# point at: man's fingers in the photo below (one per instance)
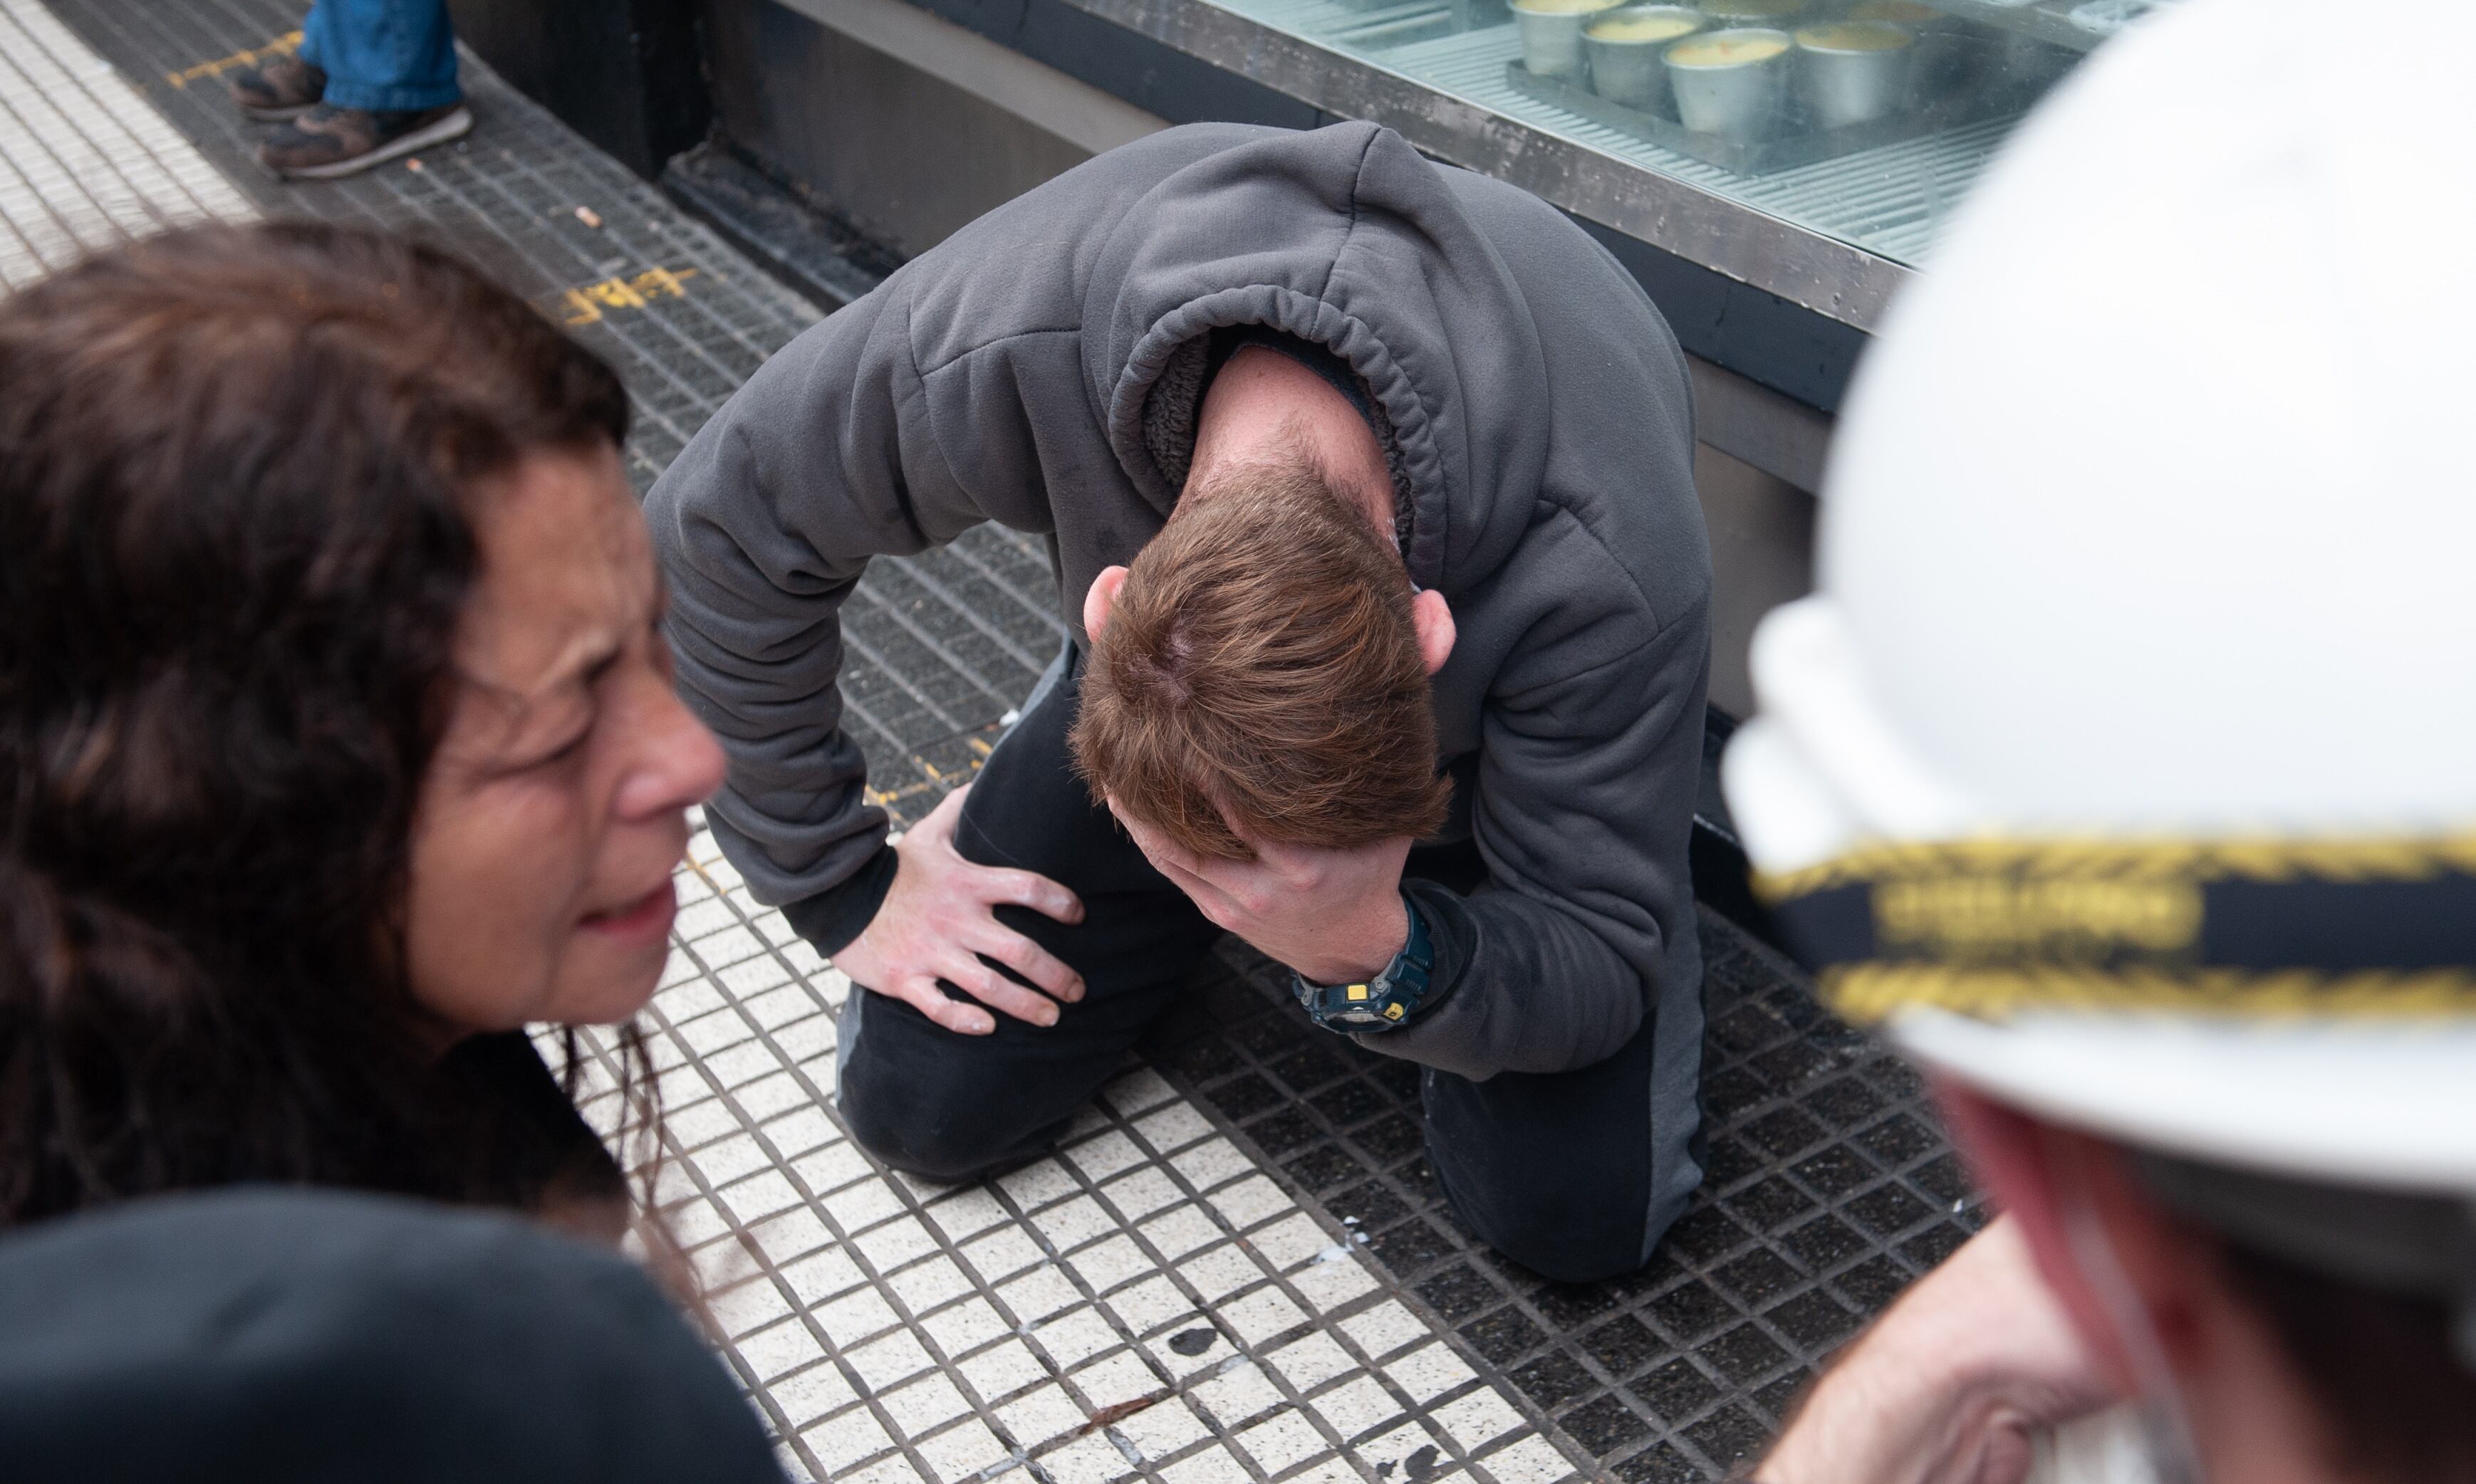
(922, 994)
(1199, 878)
(1210, 884)
(1186, 860)
(999, 993)
(1034, 963)
(1208, 899)
(1250, 886)
(1158, 848)
(1299, 865)
(1031, 889)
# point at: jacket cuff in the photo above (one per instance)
(831, 918)
(1452, 931)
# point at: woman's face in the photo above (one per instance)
(554, 809)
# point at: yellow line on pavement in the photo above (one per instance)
(586, 305)
(283, 45)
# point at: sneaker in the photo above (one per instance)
(328, 141)
(278, 88)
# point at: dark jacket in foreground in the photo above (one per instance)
(1036, 370)
(266, 1336)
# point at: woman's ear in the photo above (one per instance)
(1100, 599)
(1431, 616)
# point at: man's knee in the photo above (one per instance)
(922, 1125)
(943, 1106)
(1573, 1212)
(929, 1153)
(1590, 1246)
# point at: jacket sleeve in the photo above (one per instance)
(1582, 812)
(954, 393)
(763, 525)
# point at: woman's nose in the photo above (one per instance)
(678, 762)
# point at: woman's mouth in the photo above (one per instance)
(646, 919)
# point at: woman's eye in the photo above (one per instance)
(563, 752)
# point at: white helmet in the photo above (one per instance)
(2125, 761)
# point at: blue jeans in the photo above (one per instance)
(386, 55)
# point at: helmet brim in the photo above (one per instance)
(2384, 1105)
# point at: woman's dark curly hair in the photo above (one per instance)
(237, 475)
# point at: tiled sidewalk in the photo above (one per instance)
(1240, 1268)
(83, 161)
(1146, 1301)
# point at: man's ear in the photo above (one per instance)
(2047, 1177)
(1100, 599)
(1430, 615)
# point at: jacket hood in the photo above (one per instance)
(1356, 243)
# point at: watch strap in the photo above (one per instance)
(1384, 1001)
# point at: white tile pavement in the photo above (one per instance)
(1146, 1304)
(85, 160)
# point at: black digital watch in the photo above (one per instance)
(1382, 1002)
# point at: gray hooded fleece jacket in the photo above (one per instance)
(1037, 369)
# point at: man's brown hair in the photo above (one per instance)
(1259, 677)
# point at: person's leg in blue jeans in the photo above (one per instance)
(389, 87)
(383, 55)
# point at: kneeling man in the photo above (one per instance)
(1369, 487)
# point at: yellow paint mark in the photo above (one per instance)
(903, 800)
(283, 45)
(586, 305)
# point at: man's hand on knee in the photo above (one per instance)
(1333, 915)
(937, 918)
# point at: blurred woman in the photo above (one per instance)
(337, 741)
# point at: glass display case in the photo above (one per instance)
(1860, 122)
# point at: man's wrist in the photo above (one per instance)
(1379, 945)
(833, 917)
(1382, 1000)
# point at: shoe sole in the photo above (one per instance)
(455, 126)
(281, 113)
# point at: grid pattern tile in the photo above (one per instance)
(1145, 1303)
(1830, 1187)
(84, 161)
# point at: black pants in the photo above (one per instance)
(1552, 1169)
